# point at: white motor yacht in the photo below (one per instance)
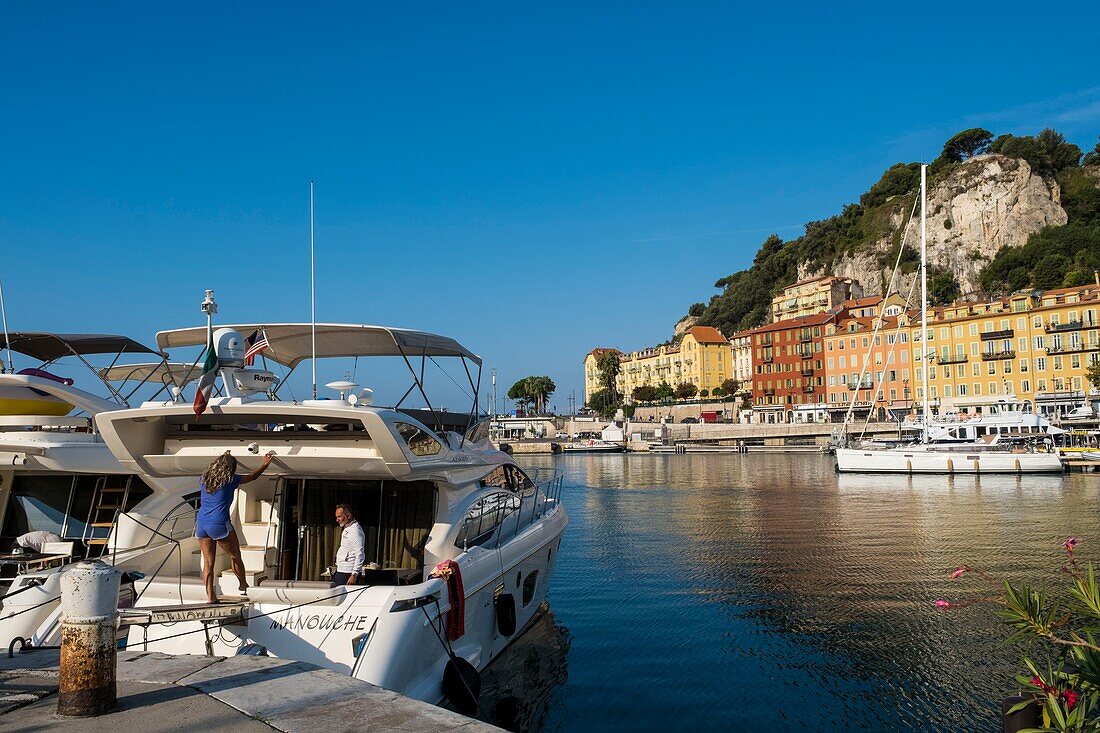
(1006, 417)
(56, 474)
(426, 494)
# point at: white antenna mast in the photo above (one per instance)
(4, 315)
(312, 296)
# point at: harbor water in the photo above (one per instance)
(765, 592)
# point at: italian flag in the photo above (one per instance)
(206, 381)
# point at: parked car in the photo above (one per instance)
(561, 436)
(689, 420)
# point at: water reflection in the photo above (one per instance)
(765, 592)
(522, 688)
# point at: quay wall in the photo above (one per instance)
(778, 435)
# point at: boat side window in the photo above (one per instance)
(480, 525)
(497, 479)
(520, 483)
(420, 442)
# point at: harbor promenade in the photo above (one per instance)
(250, 694)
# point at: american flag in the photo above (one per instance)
(255, 343)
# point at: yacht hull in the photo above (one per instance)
(363, 634)
(919, 459)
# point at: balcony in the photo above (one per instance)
(807, 371)
(808, 388)
(1071, 326)
(994, 335)
(767, 358)
(768, 392)
(766, 341)
(953, 359)
(806, 338)
(1073, 348)
(994, 355)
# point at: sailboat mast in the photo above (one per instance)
(924, 300)
(7, 341)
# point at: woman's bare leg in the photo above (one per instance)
(209, 555)
(233, 547)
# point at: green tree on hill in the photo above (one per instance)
(1048, 152)
(942, 288)
(966, 144)
(1093, 157)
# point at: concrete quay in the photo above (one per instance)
(750, 436)
(252, 694)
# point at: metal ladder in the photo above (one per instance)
(108, 502)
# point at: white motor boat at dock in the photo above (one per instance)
(424, 497)
(58, 477)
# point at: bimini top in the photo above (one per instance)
(290, 343)
(161, 371)
(50, 346)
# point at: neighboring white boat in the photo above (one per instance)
(57, 475)
(424, 497)
(595, 445)
(995, 443)
(978, 458)
(1005, 418)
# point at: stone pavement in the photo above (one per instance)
(160, 692)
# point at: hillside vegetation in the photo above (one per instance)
(1056, 256)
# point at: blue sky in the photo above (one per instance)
(532, 179)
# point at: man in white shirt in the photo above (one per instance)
(352, 553)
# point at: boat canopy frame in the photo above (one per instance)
(51, 347)
(289, 344)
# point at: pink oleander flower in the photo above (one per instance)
(1070, 544)
(1069, 697)
(959, 571)
(942, 604)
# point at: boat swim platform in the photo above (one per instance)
(228, 610)
(163, 693)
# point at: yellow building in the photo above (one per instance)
(702, 358)
(592, 370)
(1031, 347)
(813, 296)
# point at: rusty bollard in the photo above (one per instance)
(89, 617)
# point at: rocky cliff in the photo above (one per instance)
(988, 202)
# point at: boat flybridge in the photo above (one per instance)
(56, 474)
(427, 494)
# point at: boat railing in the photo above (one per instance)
(539, 500)
(178, 523)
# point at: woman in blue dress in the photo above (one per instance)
(213, 528)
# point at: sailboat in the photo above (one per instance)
(994, 453)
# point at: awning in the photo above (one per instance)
(50, 346)
(291, 343)
(162, 372)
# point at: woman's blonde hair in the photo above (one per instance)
(220, 472)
